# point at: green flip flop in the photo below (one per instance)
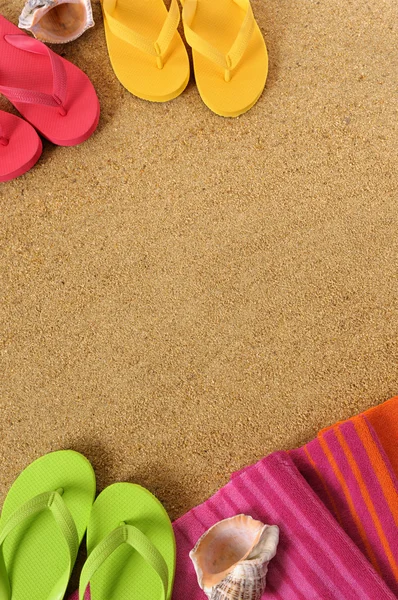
(131, 547)
(42, 523)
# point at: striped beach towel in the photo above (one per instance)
(335, 501)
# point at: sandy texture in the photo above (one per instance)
(183, 293)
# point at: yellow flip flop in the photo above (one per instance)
(145, 48)
(229, 53)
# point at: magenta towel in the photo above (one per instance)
(335, 501)
(330, 546)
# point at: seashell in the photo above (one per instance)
(231, 558)
(56, 21)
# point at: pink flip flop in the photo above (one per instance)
(20, 146)
(56, 97)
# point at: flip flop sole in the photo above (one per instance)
(218, 23)
(23, 150)
(125, 575)
(35, 553)
(32, 71)
(136, 70)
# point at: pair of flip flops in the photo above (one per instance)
(150, 60)
(130, 540)
(53, 96)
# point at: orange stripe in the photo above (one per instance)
(344, 486)
(368, 500)
(379, 466)
(325, 487)
(384, 420)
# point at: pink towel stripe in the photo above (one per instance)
(322, 539)
(336, 492)
(282, 585)
(306, 465)
(385, 519)
(372, 526)
(252, 484)
(356, 495)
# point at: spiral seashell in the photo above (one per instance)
(56, 21)
(231, 558)
(246, 582)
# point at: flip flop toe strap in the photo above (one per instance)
(228, 61)
(157, 48)
(125, 534)
(3, 139)
(47, 501)
(58, 97)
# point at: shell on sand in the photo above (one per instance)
(56, 21)
(231, 558)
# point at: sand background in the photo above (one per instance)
(183, 294)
